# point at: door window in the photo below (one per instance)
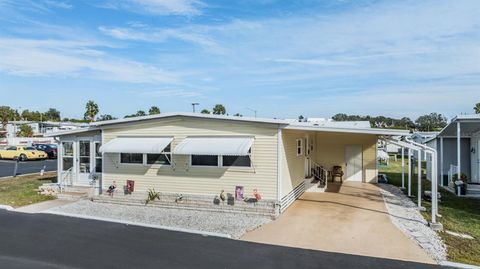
(67, 155)
(84, 156)
(98, 158)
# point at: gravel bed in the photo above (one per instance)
(233, 224)
(405, 215)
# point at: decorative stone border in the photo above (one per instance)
(405, 215)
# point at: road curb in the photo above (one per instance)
(175, 229)
(6, 207)
(29, 174)
(459, 265)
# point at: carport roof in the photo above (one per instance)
(469, 124)
(373, 131)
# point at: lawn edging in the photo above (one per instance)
(6, 207)
(459, 265)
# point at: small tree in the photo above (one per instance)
(106, 117)
(154, 110)
(205, 111)
(431, 122)
(91, 110)
(219, 109)
(301, 118)
(25, 131)
(238, 115)
(477, 108)
(52, 114)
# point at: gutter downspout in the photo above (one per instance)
(279, 164)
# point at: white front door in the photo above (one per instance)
(84, 162)
(354, 162)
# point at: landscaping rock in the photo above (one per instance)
(234, 224)
(405, 215)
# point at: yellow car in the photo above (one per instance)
(22, 153)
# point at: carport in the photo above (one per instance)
(348, 218)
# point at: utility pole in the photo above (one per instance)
(254, 111)
(193, 106)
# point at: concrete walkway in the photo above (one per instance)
(349, 218)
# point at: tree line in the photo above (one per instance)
(428, 122)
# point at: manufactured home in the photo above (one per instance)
(458, 147)
(198, 154)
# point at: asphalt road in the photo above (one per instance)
(49, 241)
(27, 167)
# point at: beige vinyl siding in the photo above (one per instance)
(330, 151)
(293, 166)
(180, 177)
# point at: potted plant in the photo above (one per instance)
(460, 183)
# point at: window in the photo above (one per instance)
(67, 156)
(29, 148)
(131, 158)
(299, 147)
(98, 158)
(241, 161)
(204, 160)
(163, 158)
(12, 148)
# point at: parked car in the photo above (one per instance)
(50, 149)
(23, 153)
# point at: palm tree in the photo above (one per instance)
(477, 108)
(91, 110)
(219, 109)
(154, 110)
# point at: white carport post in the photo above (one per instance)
(403, 168)
(459, 165)
(409, 172)
(441, 160)
(416, 146)
(419, 180)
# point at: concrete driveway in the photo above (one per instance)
(348, 218)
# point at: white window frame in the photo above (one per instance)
(120, 159)
(63, 155)
(144, 159)
(238, 167)
(95, 157)
(299, 147)
(211, 166)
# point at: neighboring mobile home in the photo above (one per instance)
(198, 154)
(458, 147)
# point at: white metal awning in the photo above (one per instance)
(136, 145)
(232, 146)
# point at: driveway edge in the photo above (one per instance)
(405, 216)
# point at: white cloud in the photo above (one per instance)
(58, 4)
(158, 7)
(28, 57)
(172, 93)
(158, 35)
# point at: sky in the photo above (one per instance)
(280, 58)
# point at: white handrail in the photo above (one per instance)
(320, 173)
(62, 183)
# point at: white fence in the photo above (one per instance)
(453, 170)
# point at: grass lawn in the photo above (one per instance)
(461, 215)
(22, 190)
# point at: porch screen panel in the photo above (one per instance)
(67, 155)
